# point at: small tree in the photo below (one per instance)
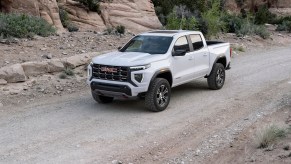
(212, 19)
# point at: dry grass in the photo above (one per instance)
(269, 135)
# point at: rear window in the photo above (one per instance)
(196, 42)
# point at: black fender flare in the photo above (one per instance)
(164, 70)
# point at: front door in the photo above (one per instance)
(182, 65)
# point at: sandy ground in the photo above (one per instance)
(244, 149)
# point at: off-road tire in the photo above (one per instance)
(101, 99)
(216, 78)
(157, 99)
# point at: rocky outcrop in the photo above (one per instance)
(135, 15)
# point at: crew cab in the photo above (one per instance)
(152, 63)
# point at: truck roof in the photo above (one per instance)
(170, 33)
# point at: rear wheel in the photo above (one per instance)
(101, 99)
(158, 96)
(216, 78)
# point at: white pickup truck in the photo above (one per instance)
(152, 63)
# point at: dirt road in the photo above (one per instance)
(197, 124)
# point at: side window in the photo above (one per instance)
(182, 44)
(196, 42)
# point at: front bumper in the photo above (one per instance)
(111, 89)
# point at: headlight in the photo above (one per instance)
(138, 68)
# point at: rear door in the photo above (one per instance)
(200, 54)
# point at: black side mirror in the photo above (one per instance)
(179, 53)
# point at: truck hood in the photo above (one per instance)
(127, 58)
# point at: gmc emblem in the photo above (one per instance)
(109, 70)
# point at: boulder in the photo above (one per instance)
(38, 68)
(13, 73)
(35, 68)
(55, 66)
(77, 60)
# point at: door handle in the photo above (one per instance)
(205, 54)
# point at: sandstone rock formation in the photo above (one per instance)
(135, 15)
(81, 17)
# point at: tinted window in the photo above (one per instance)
(196, 42)
(182, 44)
(148, 44)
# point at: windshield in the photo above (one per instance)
(148, 44)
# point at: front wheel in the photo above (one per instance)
(217, 77)
(158, 96)
(101, 99)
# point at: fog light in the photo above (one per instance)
(138, 77)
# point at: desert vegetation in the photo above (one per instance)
(270, 134)
(23, 26)
(211, 18)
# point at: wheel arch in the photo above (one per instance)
(222, 60)
(163, 73)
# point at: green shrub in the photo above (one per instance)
(64, 17)
(109, 31)
(114, 31)
(233, 22)
(212, 18)
(261, 31)
(66, 21)
(280, 20)
(176, 23)
(120, 29)
(246, 28)
(249, 28)
(285, 26)
(72, 27)
(264, 15)
(68, 71)
(164, 8)
(92, 5)
(24, 26)
(173, 22)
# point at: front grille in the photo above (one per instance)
(121, 74)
